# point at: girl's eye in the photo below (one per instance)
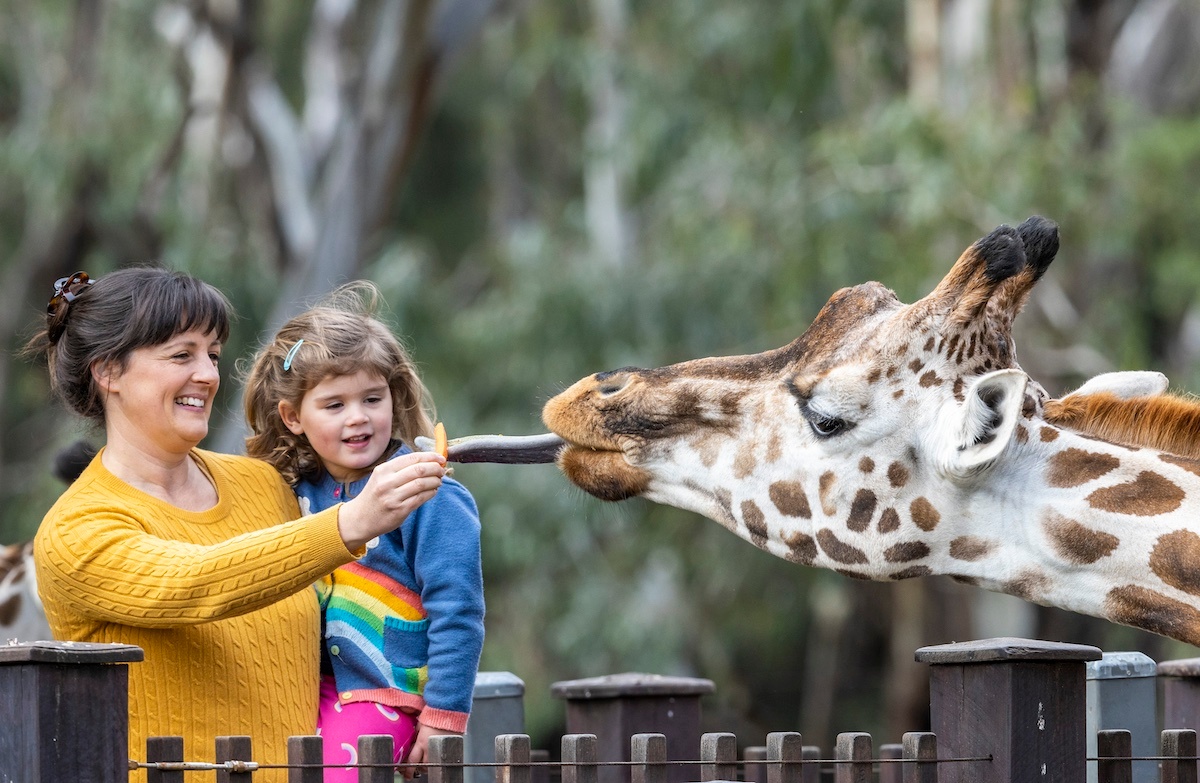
(827, 426)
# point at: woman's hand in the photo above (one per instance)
(395, 489)
(420, 750)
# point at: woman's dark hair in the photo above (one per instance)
(125, 310)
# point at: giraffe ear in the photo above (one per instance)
(1126, 384)
(985, 423)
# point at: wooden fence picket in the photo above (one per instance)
(305, 755)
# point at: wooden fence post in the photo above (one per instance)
(447, 753)
(810, 770)
(579, 758)
(237, 748)
(648, 752)
(718, 756)
(1113, 750)
(377, 752)
(66, 708)
(921, 748)
(890, 773)
(785, 752)
(1180, 681)
(305, 755)
(164, 749)
(1179, 744)
(512, 754)
(1019, 701)
(753, 769)
(617, 706)
(853, 747)
(1122, 693)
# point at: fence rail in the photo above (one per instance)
(1001, 711)
(784, 759)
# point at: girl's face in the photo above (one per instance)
(348, 421)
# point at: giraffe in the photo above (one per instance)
(892, 441)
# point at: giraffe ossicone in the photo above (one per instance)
(896, 440)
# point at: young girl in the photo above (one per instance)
(330, 398)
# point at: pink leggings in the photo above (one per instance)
(341, 725)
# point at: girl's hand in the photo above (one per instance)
(395, 489)
(420, 750)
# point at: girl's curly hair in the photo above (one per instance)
(341, 336)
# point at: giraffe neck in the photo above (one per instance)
(1090, 527)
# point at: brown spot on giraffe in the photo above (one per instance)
(874, 375)
(838, 550)
(889, 521)
(866, 464)
(790, 499)
(930, 379)
(1030, 586)
(1074, 467)
(1022, 434)
(744, 463)
(755, 522)
(958, 390)
(897, 475)
(774, 448)
(707, 448)
(1048, 434)
(915, 366)
(906, 551)
(1147, 495)
(1174, 559)
(911, 572)
(861, 511)
(1190, 465)
(802, 548)
(1077, 543)
(891, 371)
(897, 394)
(924, 515)
(824, 488)
(929, 344)
(1153, 611)
(971, 548)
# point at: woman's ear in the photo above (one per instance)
(105, 375)
(291, 417)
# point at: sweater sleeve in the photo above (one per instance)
(449, 572)
(107, 558)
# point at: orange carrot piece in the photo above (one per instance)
(439, 440)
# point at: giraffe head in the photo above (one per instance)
(829, 450)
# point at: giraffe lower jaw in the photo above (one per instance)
(604, 473)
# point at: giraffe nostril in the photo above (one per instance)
(610, 382)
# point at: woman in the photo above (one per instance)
(198, 558)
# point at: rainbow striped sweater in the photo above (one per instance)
(403, 625)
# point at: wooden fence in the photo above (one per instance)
(1002, 711)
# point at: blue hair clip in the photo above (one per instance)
(287, 360)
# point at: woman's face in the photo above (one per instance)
(163, 398)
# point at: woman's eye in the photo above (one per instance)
(827, 426)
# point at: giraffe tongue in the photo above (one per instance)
(506, 449)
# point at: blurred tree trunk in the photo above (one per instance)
(604, 145)
(332, 175)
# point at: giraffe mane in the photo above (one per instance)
(1166, 422)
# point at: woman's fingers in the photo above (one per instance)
(395, 489)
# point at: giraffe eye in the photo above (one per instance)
(827, 426)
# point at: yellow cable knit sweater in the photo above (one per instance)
(220, 601)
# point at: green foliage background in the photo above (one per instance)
(771, 155)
